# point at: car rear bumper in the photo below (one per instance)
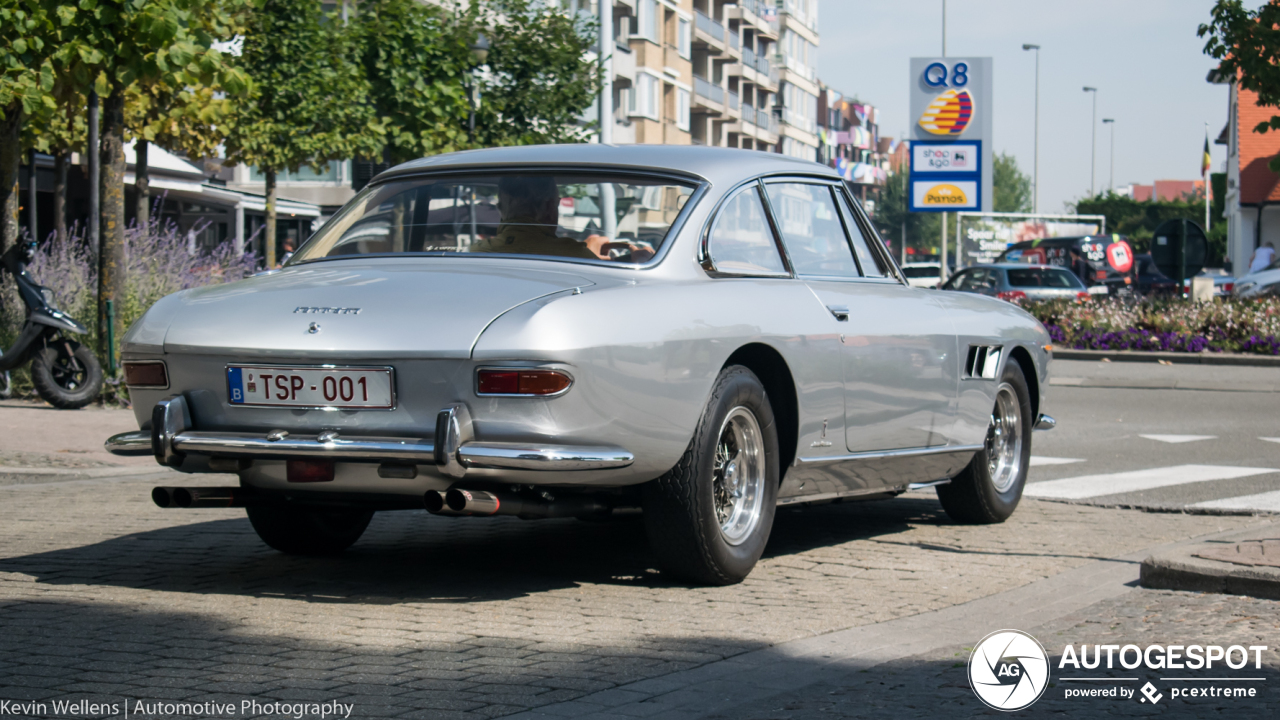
(453, 449)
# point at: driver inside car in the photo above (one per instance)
(530, 217)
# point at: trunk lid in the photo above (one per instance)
(384, 307)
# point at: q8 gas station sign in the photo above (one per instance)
(951, 134)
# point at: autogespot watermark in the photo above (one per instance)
(1010, 670)
(127, 708)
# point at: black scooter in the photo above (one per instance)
(65, 373)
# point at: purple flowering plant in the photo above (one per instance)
(1169, 325)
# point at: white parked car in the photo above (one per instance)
(922, 274)
(1259, 284)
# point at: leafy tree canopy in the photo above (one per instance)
(27, 35)
(1247, 45)
(1012, 186)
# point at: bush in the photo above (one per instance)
(1224, 325)
(159, 260)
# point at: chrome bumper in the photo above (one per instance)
(1044, 422)
(453, 449)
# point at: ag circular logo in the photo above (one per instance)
(1009, 670)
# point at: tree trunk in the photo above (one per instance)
(10, 150)
(271, 219)
(142, 183)
(111, 259)
(60, 166)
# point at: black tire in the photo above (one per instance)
(973, 497)
(304, 531)
(66, 381)
(680, 508)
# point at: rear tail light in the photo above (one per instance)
(538, 383)
(1011, 295)
(1101, 275)
(150, 374)
(1082, 296)
(1228, 287)
(309, 471)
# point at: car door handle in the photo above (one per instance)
(840, 312)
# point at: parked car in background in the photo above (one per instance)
(1223, 282)
(1015, 281)
(923, 274)
(1106, 261)
(1150, 282)
(1264, 283)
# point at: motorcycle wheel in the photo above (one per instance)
(66, 381)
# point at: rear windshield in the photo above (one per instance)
(1043, 277)
(920, 272)
(582, 216)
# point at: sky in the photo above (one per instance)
(1142, 55)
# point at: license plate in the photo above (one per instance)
(311, 387)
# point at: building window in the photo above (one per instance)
(645, 23)
(682, 109)
(684, 38)
(642, 100)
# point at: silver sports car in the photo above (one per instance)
(569, 331)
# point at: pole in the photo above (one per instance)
(31, 194)
(944, 29)
(1035, 173)
(1093, 144)
(942, 270)
(1111, 178)
(471, 115)
(1207, 189)
(95, 171)
(608, 196)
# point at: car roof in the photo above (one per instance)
(708, 163)
(1019, 266)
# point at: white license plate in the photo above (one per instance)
(312, 387)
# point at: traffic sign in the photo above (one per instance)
(1179, 249)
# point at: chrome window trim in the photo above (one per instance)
(475, 380)
(704, 252)
(328, 408)
(700, 188)
(830, 183)
(869, 231)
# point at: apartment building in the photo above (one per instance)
(651, 56)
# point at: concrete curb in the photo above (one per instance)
(1204, 358)
(1179, 569)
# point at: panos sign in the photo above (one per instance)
(950, 140)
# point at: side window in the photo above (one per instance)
(964, 281)
(872, 264)
(741, 241)
(811, 229)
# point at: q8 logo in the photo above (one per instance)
(1009, 670)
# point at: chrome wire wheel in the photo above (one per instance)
(738, 476)
(1004, 439)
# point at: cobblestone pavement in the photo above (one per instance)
(103, 596)
(935, 684)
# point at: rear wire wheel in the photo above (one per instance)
(708, 519)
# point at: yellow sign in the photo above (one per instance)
(945, 195)
(949, 113)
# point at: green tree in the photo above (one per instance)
(415, 57)
(923, 230)
(1246, 44)
(110, 45)
(539, 81)
(59, 133)
(27, 37)
(311, 103)
(1012, 186)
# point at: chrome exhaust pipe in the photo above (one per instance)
(201, 497)
(435, 504)
(465, 501)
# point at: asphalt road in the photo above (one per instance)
(1189, 442)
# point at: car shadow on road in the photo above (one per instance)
(411, 556)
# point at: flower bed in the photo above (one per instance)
(1224, 325)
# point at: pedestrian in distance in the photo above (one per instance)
(1262, 257)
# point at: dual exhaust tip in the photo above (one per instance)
(201, 497)
(466, 501)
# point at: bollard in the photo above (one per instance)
(111, 339)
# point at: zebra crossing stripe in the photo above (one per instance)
(1088, 486)
(1178, 438)
(1267, 501)
(1039, 460)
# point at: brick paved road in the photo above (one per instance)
(103, 595)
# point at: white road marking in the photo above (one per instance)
(1179, 438)
(1088, 486)
(1037, 460)
(1262, 501)
(1274, 440)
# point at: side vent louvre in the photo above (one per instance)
(983, 362)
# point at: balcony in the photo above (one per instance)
(748, 57)
(733, 100)
(709, 26)
(734, 41)
(704, 87)
(749, 114)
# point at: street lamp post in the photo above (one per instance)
(1093, 138)
(479, 54)
(1111, 174)
(1035, 173)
